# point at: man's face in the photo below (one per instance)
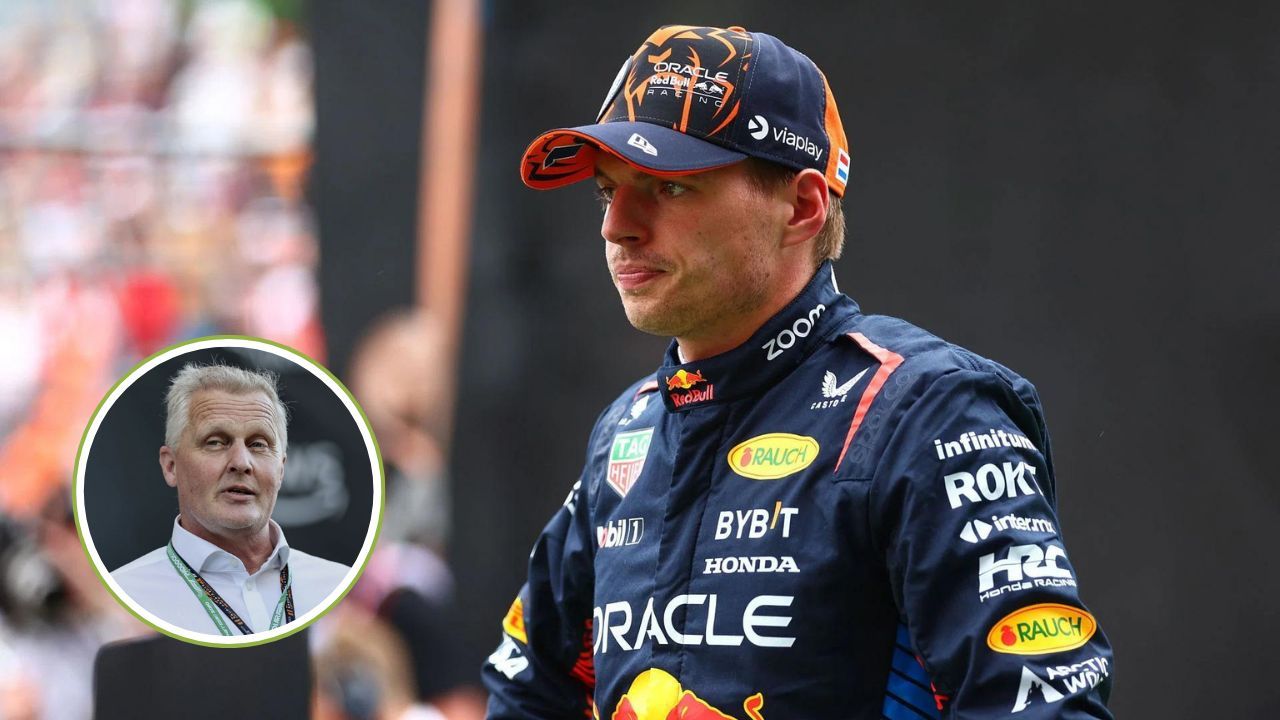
(694, 256)
(228, 464)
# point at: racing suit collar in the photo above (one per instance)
(773, 351)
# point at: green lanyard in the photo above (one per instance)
(213, 602)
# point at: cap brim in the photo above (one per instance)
(567, 155)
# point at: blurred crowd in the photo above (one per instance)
(153, 161)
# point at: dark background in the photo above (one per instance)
(1082, 191)
(324, 505)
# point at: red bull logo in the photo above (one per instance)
(656, 695)
(684, 380)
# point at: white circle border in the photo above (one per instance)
(336, 387)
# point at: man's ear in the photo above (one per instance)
(809, 200)
(169, 466)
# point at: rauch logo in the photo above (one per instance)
(1042, 629)
(773, 456)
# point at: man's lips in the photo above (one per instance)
(630, 277)
(238, 492)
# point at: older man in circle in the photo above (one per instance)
(227, 568)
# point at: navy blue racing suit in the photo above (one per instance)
(844, 517)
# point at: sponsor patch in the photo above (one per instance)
(1059, 682)
(685, 380)
(1042, 629)
(1023, 567)
(773, 456)
(655, 693)
(755, 523)
(623, 531)
(513, 623)
(626, 459)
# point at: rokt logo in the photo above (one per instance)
(773, 456)
(1042, 629)
(758, 127)
(992, 481)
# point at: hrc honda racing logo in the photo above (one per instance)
(761, 623)
(1023, 567)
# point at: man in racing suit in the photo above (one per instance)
(806, 512)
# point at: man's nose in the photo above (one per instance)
(624, 219)
(241, 459)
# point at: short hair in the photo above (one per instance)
(195, 377)
(829, 242)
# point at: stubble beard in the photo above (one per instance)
(706, 314)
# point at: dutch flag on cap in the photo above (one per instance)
(842, 166)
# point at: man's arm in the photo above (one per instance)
(542, 669)
(965, 505)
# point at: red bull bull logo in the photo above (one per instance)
(656, 695)
(684, 380)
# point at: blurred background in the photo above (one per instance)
(1083, 191)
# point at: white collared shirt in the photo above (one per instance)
(152, 582)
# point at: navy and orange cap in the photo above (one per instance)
(696, 98)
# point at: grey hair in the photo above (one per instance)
(195, 377)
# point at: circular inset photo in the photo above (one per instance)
(228, 491)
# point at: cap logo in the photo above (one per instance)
(758, 127)
(561, 154)
(638, 140)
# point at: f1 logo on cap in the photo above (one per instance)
(758, 127)
(638, 140)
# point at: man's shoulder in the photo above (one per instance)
(631, 402)
(143, 575)
(915, 353)
(142, 564)
(317, 566)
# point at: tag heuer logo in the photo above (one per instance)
(626, 459)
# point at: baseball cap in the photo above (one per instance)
(692, 99)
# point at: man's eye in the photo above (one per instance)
(673, 189)
(214, 442)
(604, 196)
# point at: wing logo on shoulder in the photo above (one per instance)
(835, 392)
